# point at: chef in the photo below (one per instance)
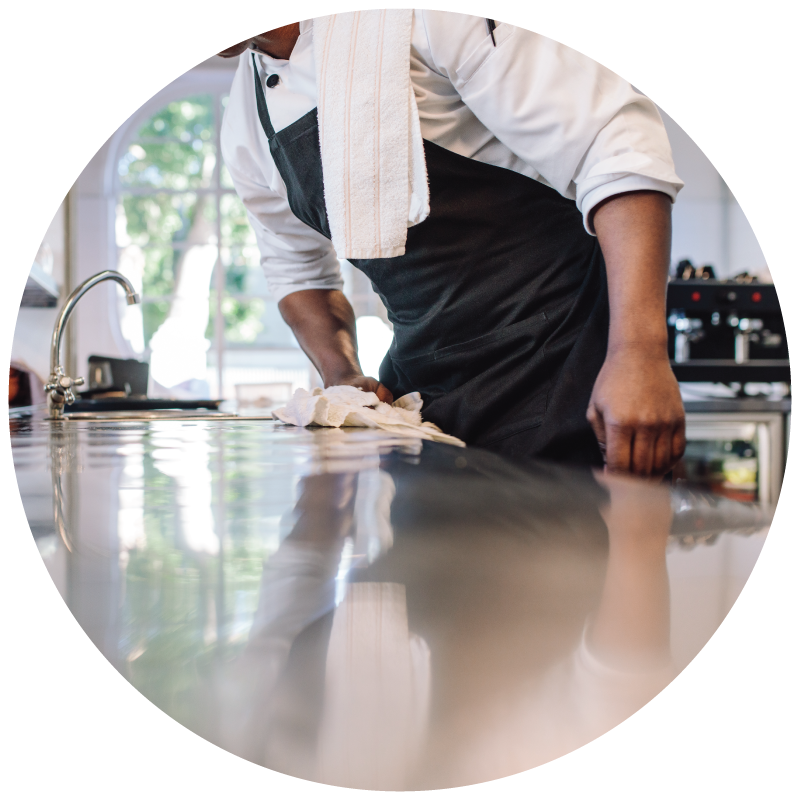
(528, 296)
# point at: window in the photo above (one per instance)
(206, 322)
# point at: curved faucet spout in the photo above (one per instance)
(59, 386)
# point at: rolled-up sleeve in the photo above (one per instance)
(582, 128)
(294, 257)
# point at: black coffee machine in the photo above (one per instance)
(726, 331)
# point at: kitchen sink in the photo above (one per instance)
(64, 402)
(83, 403)
(138, 412)
(152, 414)
(140, 408)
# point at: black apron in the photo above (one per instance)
(499, 305)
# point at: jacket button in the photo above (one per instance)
(273, 81)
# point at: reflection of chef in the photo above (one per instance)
(551, 182)
(484, 642)
(536, 646)
(338, 697)
(621, 662)
(280, 676)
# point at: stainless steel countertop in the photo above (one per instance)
(738, 405)
(374, 612)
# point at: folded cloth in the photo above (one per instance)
(347, 406)
(373, 161)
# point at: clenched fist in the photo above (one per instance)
(637, 414)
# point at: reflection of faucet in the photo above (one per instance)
(58, 461)
(59, 386)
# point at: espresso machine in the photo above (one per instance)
(730, 332)
(725, 331)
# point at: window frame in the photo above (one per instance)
(216, 83)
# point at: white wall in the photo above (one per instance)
(709, 226)
(31, 345)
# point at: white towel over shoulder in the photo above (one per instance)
(373, 162)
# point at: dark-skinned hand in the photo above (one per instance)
(637, 415)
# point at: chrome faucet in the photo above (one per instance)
(59, 385)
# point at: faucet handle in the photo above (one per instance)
(66, 383)
(60, 386)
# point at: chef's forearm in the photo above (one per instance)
(325, 327)
(634, 231)
(635, 409)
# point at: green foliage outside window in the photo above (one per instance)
(169, 203)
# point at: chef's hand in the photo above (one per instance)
(325, 326)
(367, 384)
(636, 413)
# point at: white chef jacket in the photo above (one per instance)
(528, 104)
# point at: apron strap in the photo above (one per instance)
(491, 25)
(261, 102)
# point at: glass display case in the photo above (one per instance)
(740, 455)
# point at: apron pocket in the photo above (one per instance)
(448, 368)
(499, 434)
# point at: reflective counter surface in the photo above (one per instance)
(374, 612)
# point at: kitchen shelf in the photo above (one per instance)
(41, 291)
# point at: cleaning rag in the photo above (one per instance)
(373, 161)
(347, 406)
